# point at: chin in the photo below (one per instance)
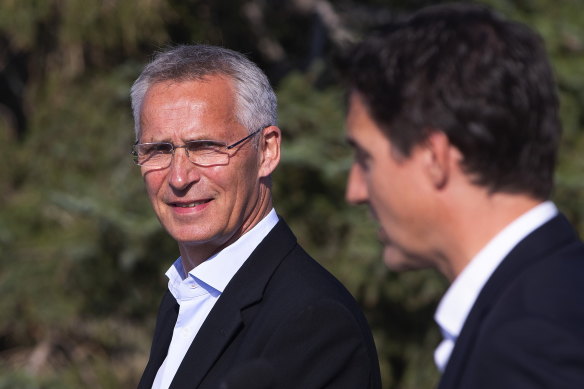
(399, 261)
(190, 236)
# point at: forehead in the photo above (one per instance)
(212, 92)
(366, 136)
(188, 107)
(361, 127)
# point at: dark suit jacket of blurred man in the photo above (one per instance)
(454, 119)
(281, 307)
(516, 316)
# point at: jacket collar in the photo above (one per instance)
(538, 245)
(227, 317)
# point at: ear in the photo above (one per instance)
(269, 149)
(439, 158)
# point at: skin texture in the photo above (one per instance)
(229, 199)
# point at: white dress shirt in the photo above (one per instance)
(197, 293)
(462, 294)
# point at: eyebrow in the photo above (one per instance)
(351, 142)
(355, 145)
(184, 140)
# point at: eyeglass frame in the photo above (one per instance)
(134, 153)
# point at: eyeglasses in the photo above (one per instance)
(200, 152)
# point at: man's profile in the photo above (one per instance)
(453, 117)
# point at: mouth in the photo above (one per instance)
(382, 236)
(192, 204)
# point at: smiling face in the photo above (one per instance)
(205, 208)
(394, 187)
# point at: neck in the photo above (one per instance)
(474, 221)
(195, 253)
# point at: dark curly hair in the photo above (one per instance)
(483, 81)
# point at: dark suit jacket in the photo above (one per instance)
(283, 310)
(526, 329)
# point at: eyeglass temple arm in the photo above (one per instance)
(247, 137)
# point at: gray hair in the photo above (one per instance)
(256, 105)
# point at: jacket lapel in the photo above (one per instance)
(225, 319)
(165, 322)
(538, 245)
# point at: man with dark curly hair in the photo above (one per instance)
(453, 117)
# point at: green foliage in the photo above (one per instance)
(82, 256)
(561, 25)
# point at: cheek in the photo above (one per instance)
(153, 181)
(219, 178)
(377, 185)
(384, 197)
(244, 177)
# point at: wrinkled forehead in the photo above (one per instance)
(195, 109)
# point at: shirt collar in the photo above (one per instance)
(217, 271)
(462, 294)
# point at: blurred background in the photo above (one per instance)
(82, 257)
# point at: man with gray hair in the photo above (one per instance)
(245, 304)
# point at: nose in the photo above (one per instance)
(182, 172)
(356, 192)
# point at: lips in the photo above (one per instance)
(188, 204)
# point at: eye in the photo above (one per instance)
(362, 158)
(154, 148)
(204, 146)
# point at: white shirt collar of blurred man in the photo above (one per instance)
(463, 292)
